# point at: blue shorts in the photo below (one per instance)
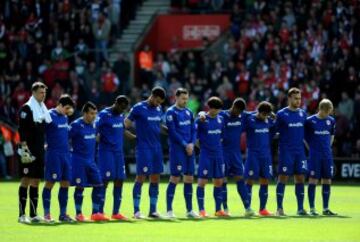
(321, 165)
(233, 163)
(149, 161)
(211, 165)
(57, 166)
(85, 172)
(111, 165)
(258, 166)
(292, 162)
(181, 163)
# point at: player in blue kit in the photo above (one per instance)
(319, 135)
(234, 120)
(211, 164)
(84, 169)
(290, 123)
(57, 157)
(147, 117)
(182, 137)
(259, 132)
(110, 126)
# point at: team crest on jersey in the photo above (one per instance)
(78, 180)
(251, 172)
(179, 167)
(26, 170)
(284, 169)
(328, 122)
(301, 114)
(108, 174)
(205, 172)
(170, 118)
(158, 108)
(23, 115)
(219, 120)
(187, 112)
(145, 169)
(54, 175)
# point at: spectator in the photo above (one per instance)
(101, 31)
(346, 106)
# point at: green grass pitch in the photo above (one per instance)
(344, 199)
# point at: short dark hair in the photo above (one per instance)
(37, 85)
(180, 91)
(158, 92)
(215, 102)
(66, 99)
(293, 91)
(265, 107)
(87, 106)
(122, 99)
(239, 103)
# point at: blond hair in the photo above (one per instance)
(326, 105)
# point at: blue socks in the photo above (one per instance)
(249, 191)
(224, 195)
(241, 188)
(63, 200)
(218, 192)
(325, 195)
(96, 196)
(102, 199)
(263, 195)
(46, 196)
(311, 195)
(137, 196)
(117, 195)
(299, 191)
(280, 189)
(170, 192)
(78, 198)
(153, 193)
(200, 195)
(188, 191)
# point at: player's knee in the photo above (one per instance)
(238, 178)
(49, 185)
(218, 182)
(188, 179)
(175, 179)
(283, 178)
(299, 178)
(24, 182)
(202, 182)
(155, 178)
(313, 181)
(140, 179)
(263, 181)
(117, 183)
(249, 182)
(326, 181)
(34, 182)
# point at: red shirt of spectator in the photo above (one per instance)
(20, 95)
(109, 82)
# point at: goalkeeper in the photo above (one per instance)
(33, 116)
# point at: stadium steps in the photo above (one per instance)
(138, 26)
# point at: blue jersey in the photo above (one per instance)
(318, 133)
(290, 125)
(181, 126)
(147, 124)
(210, 133)
(234, 126)
(110, 126)
(57, 132)
(259, 134)
(83, 138)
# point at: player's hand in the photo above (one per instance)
(189, 149)
(202, 116)
(272, 115)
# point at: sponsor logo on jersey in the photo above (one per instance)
(214, 131)
(156, 118)
(89, 136)
(60, 126)
(119, 125)
(237, 123)
(183, 123)
(264, 130)
(328, 122)
(322, 132)
(296, 125)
